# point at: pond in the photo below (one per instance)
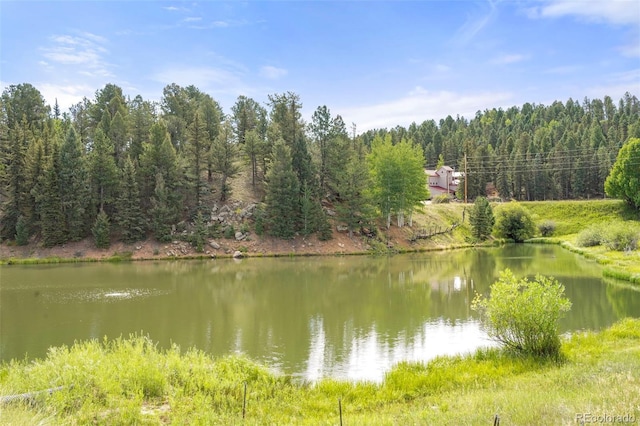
(347, 317)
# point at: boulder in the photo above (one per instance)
(248, 211)
(238, 254)
(240, 236)
(214, 245)
(342, 228)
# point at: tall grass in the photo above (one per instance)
(571, 217)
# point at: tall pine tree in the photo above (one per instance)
(73, 186)
(51, 211)
(129, 217)
(283, 188)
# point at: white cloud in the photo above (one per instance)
(619, 12)
(475, 24)
(94, 37)
(85, 51)
(563, 70)
(192, 19)
(510, 59)
(631, 50)
(420, 104)
(273, 73)
(67, 94)
(218, 24)
(209, 79)
(441, 68)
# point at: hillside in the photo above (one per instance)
(569, 216)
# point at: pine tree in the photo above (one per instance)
(159, 157)
(285, 112)
(354, 208)
(309, 211)
(199, 233)
(118, 136)
(224, 152)
(141, 119)
(161, 215)
(51, 213)
(281, 199)
(103, 171)
(212, 116)
(101, 230)
(129, 217)
(196, 152)
(252, 147)
(35, 162)
(22, 232)
(73, 186)
(481, 219)
(325, 232)
(13, 181)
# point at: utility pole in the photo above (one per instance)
(466, 177)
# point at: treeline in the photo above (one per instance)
(535, 152)
(116, 167)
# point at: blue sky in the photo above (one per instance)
(376, 63)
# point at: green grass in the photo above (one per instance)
(130, 381)
(573, 216)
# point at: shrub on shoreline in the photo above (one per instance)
(590, 237)
(523, 315)
(621, 236)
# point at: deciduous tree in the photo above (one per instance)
(624, 180)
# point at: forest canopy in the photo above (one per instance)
(128, 168)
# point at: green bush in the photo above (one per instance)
(621, 236)
(590, 237)
(523, 315)
(244, 228)
(229, 232)
(514, 222)
(547, 228)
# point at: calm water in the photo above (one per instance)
(344, 317)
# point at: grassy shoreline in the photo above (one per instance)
(599, 374)
(570, 218)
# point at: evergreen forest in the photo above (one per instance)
(116, 167)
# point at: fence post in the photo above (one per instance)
(244, 401)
